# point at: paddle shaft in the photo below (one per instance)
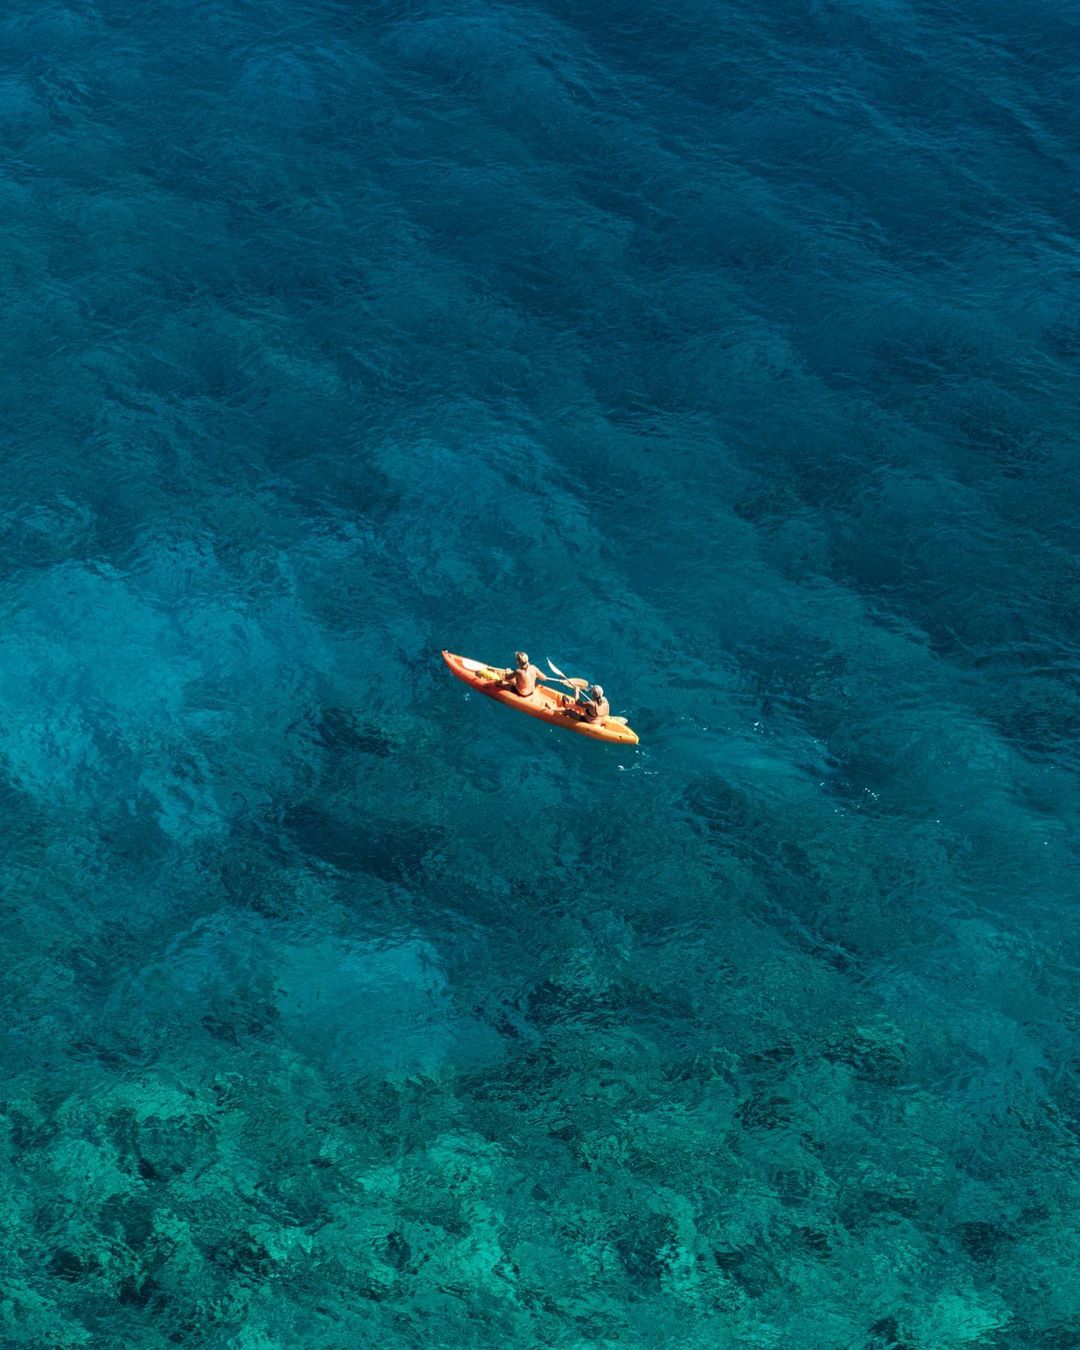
(575, 682)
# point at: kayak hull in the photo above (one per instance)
(544, 704)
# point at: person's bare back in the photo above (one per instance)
(523, 679)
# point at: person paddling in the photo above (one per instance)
(523, 680)
(593, 706)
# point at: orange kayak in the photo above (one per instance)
(544, 703)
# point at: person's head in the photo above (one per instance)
(522, 659)
(597, 691)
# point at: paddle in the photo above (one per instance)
(575, 682)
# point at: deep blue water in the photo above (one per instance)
(727, 353)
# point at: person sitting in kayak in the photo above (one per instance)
(593, 707)
(523, 680)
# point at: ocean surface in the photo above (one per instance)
(727, 353)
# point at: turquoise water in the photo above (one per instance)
(727, 354)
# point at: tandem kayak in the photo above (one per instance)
(544, 703)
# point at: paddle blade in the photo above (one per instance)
(555, 669)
